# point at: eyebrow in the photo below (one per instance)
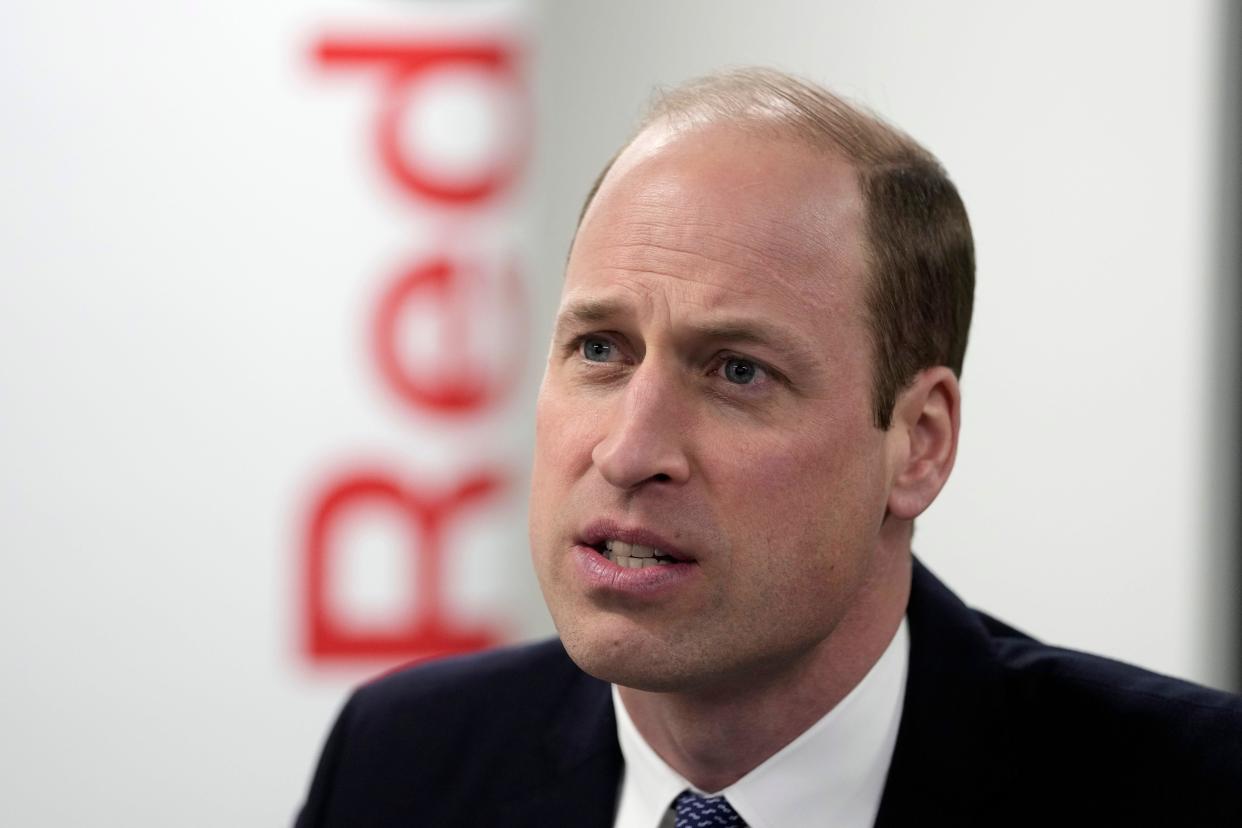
(760, 332)
(590, 311)
(743, 331)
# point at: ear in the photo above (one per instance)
(922, 440)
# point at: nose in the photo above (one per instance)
(647, 432)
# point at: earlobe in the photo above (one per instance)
(926, 419)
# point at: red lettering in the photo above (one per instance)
(432, 632)
(452, 382)
(456, 378)
(404, 63)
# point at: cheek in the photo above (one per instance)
(800, 468)
(821, 498)
(563, 436)
(805, 542)
(562, 456)
(543, 494)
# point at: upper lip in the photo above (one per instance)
(599, 531)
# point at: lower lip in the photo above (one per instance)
(649, 582)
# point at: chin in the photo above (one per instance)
(629, 658)
(614, 655)
(637, 673)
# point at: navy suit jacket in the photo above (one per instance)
(997, 730)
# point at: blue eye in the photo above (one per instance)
(740, 371)
(596, 350)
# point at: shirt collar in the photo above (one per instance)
(832, 774)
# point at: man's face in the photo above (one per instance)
(707, 395)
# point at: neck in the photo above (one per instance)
(713, 737)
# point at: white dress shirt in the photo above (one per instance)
(831, 775)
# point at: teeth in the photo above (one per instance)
(632, 550)
(634, 555)
(638, 563)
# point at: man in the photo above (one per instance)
(751, 393)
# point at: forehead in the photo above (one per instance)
(724, 217)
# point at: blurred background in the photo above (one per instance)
(275, 282)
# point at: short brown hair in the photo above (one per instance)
(918, 239)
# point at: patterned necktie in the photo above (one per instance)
(694, 811)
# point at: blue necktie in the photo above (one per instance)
(694, 811)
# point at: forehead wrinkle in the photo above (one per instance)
(732, 254)
(717, 290)
(607, 302)
(761, 242)
(723, 255)
(711, 285)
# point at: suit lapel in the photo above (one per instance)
(946, 765)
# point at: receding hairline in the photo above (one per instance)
(762, 98)
(781, 105)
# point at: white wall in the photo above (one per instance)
(193, 238)
(192, 234)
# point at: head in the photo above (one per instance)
(917, 238)
(754, 371)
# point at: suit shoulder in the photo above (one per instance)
(1087, 711)
(1114, 684)
(414, 745)
(529, 669)
(431, 709)
(1123, 745)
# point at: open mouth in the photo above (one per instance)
(632, 555)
